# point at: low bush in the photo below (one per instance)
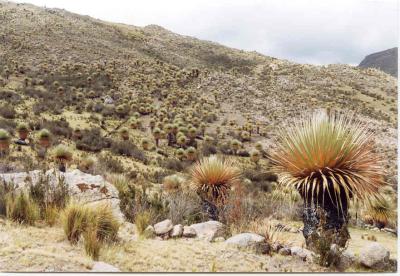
(108, 163)
(93, 140)
(127, 148)
(21, 208)
(7, 111)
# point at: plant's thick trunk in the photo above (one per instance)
(210, 209)
(324, 215)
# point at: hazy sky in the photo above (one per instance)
(306, 31)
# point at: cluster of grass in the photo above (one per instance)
(97, 225)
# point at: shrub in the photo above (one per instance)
(173, 164)
(5, 190)
(107, 224)
(127, 195)
(172, 183)
(185, 208)
(21, 208)
(7, 111)
(75, 219)
(127, 148)
(91, 243)
(62, 153)
(51, 213)
(213, 177)
(58, 127)
(92, 140)
(8, 125)
(142, 220)
(108, 163)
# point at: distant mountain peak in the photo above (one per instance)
(385, 61)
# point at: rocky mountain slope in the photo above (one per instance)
(385, 60)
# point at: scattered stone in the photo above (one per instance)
(284, 251)
(188, 232)
(177, 231)
(103, 267)
(163, 227)
(209, 230)
(245, 239)
(374, 255)
(302, 253)
(347, 259)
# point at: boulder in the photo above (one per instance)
(209, 230)
(84, 188)
(347, 259)
(163, 227)
(245, 240)
(284, 251)
(103, 267)
(302, 253)
(177, 231)
(188, 232)
(374, 255)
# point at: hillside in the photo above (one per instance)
(385, 60)
(138, 104)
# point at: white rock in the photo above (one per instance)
(245, 239)
(177, 231)
(84, 188)
(104, 267)
(188, 232)
(163, 227)
(374, 254)
(302, 253)
(347, 258)
(209, 230)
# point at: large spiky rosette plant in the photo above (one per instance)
(212, 178)
(329, 159)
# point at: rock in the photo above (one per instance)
(108, 100)
(103, 267)
(284, 251)
(347, 259)
(245, 239)
(374, 255)
(188, 232)
(177, 231)
(84, 188)
(163, 227)
(149, 232)
(219, 239)
(389, 230)
(302, 253)
(209, 230)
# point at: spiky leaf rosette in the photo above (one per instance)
(213, 177)
(380, 210)
(328, 154)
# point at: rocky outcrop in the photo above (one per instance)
(84, 188)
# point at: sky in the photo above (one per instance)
(304, 31)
